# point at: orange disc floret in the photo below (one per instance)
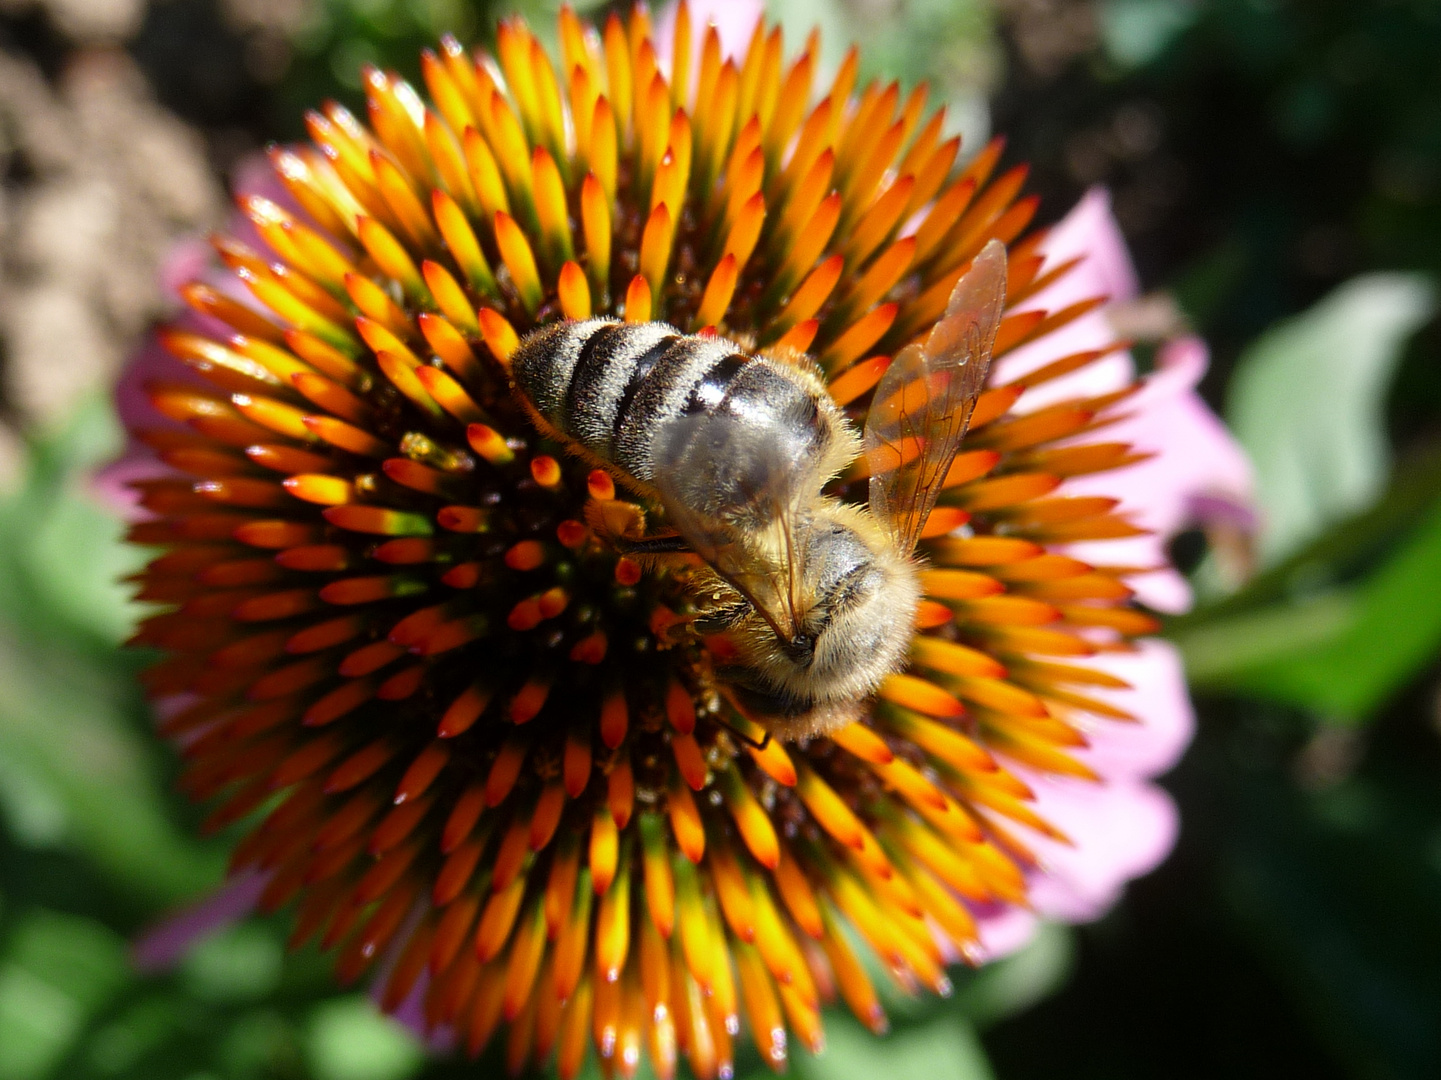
(464, 731)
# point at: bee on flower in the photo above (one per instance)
(613, 565)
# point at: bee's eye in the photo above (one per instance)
(801, 648)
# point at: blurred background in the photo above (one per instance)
(1276, 167)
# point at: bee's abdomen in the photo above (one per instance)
(612, 386)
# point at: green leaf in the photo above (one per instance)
(75, 764)
(350, 1040)
(64, 730)
(1005, 987)
(55, 972)
(242, 963)
(944, 1047)
(1135, 32)
(61, 551)
(1306, 402)
(1340, 653)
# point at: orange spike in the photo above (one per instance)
(862, 334)
(496, 921)
(810, 295)
(751, 818)
(575, 1022)
(737, 904)
(799, 337)
(830, 812)
(463, 817)
(659, 881)
(456, 872)
(422, 772)
(689, 760)
(799, 897)
(450, 933)
(612, 927)
(685, 821)
(741, 240)
(504, 771)
(575, 768)
(877, 280)
(546, 818)
(603, 154)
(529, 699)
(604, 840)
(512, 856)
(762, 1007)
(680, 708)
(345, 436)
(620, 792)
(489, 444)
(574, 293)
(862, 742)
(546, 471)
(392, 258)
(590, 649)
(463, 711)
(613, 719)
(922, 696)
(638, 301)
(718, 292)
(549, 195)
(500, 336)
(655, 249)
(524, 962)
(515, 252)
(574, 936)
(851, 978)
(572, 534)
(465, 249)
(448, 394)
(774, 762)
(560, 885)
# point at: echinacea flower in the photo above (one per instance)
(467, 735)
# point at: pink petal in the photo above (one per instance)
(1005, 931)
(1117, 837)
(1194, 458)
(734, 20)
(1158, 698)
(410, 1014)
(189, 260)
(164, 945)
(1197, 466)
(1088, 233)
(1122, 827)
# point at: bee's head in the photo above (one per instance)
(858, 597)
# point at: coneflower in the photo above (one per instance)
(464, 732)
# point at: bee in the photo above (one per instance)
(817, 596)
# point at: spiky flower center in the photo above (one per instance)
(465, 730)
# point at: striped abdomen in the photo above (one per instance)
(631, 394)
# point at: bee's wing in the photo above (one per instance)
(924, 401)
(731, 488)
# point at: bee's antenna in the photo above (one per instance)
(743, 737)
(749, 741)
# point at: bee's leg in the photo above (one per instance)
(743, 737)
(674, 544)
(741, 715)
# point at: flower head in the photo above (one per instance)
(468, 734)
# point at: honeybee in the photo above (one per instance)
(817, 596)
